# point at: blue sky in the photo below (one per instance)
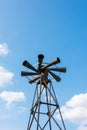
(56, 29)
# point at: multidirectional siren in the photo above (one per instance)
(42, 69)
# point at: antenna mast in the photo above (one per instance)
(45, 104)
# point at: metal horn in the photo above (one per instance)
(57, 60)
(34, 79)
(57, 78)
(40, 60)
(28, 65)
(62, 69)
(24, 73)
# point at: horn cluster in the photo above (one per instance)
(42, 69)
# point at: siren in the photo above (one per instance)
(57, 78)
(28, 65)
(34, 79)
(57, 60)
(43, 69)
(62, 69)
(40, 60)
(24, 73)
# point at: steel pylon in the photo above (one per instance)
(44, 108)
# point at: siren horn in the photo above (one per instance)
(57, 60)
(40, 60)
(28, 65)
(62, 69)
(34, 79)
(57, 78)
(24, 73)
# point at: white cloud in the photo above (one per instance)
(21, 109)
(75, 110)
(5, 76)
(12, 97)
(3, 49)
(82, 127)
